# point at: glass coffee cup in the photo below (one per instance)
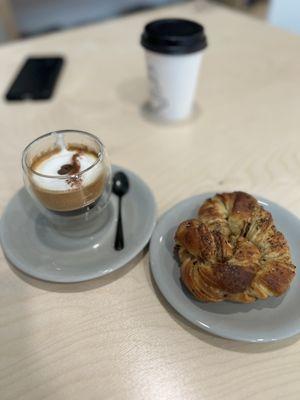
(68, 174)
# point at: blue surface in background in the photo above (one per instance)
(285, 14)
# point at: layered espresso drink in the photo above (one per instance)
(68, 174)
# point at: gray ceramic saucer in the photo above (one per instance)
(262, 321)
(35, 248)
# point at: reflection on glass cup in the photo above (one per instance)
(68, 174)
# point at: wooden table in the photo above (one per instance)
(116, 338)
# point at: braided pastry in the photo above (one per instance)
(233, 251)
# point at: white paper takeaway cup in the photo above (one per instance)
(174, 50)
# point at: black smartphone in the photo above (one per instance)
(36, 79)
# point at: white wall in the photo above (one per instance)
(38, 15)
(285, 14)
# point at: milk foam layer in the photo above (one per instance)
(52, 164)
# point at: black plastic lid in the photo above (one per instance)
(174, 36)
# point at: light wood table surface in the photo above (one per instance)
(116, 338)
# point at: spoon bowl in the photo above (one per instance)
(120, 184)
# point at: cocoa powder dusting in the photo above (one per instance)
(72, 169)
(65, 169)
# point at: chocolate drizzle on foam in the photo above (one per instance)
(72, 169)
(67, 162)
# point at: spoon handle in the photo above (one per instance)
(119, 240)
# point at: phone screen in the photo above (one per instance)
(36, 80)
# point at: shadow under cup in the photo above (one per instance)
(68, 175)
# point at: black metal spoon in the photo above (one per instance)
(120, 188)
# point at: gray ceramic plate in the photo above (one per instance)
(262, 321)
(36, 249)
